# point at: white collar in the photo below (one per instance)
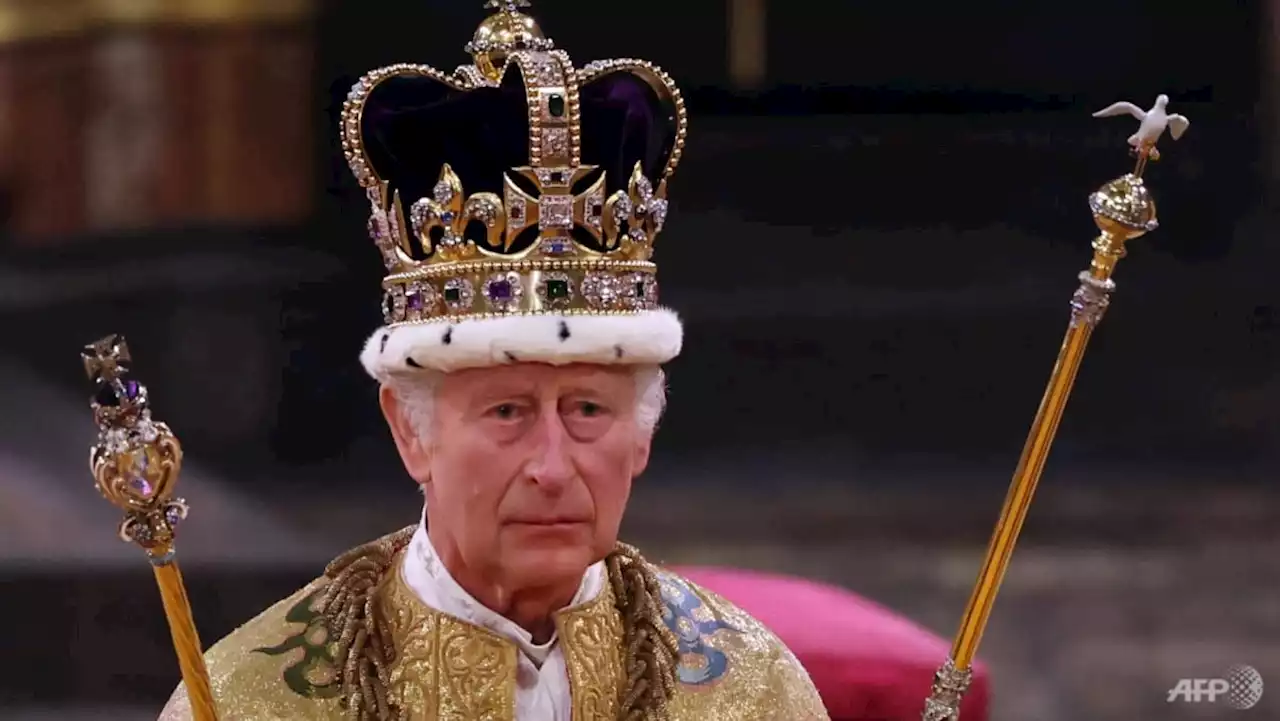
(432, 583)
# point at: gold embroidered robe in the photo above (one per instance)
(279, 665)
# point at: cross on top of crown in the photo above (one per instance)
(509, 6)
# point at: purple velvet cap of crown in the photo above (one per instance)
(413, 125)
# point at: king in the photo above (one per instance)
(516, 202)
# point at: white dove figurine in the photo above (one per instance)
(1154, 121)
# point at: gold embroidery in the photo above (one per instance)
(446, 669)
(413, 629)
(591, 636)
(761, 679)
(477, 673)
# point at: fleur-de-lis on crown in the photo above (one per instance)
(636, 217)
(450, 211)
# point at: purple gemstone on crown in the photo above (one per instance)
(131, 389)
(499, 290)
(416, 301)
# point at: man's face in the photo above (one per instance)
(528, 467)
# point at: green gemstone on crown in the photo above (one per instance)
(555, 105)
(557, 289)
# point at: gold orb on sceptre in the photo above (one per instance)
(1123, 208)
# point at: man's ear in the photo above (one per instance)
(640, 455)
(414, 451)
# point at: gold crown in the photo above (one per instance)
(532, 186)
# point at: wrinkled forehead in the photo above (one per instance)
(538, 379)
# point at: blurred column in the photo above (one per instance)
(131, 141)
(748, 44)
(1270, 96)
(201, 113)
(42, 106)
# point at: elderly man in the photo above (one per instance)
(520, 378)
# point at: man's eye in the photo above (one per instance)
(505, 411)
(589, 409)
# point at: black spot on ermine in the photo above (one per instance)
(447, 338)
(382, 345)
(617, 351)
(511, 356)
(411, 363)
(564, 331)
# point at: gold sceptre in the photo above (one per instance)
(135, 465)
(1123, 210)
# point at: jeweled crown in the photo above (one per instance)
(518, 183)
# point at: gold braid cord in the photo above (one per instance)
(649, 655)
(365, 651)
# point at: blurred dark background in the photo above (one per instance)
(874, 235)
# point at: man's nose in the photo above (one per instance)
(552, 465)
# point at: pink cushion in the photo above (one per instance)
(868, 663)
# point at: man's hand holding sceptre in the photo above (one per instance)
(1123, 210)
(135, 464)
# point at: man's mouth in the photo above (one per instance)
(555, 522)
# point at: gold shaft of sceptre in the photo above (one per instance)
(186, 642)
(1123, 210)
(1108, 250)
(135, 465)
(1021, 491)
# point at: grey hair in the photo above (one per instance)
(416, 394)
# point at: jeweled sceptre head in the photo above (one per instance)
(1123, 208)
(136, 460)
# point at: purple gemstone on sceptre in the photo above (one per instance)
(131, 389)
(138, 465)
(142, 486)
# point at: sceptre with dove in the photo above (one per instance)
(1154, 122)
(1123, 210)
